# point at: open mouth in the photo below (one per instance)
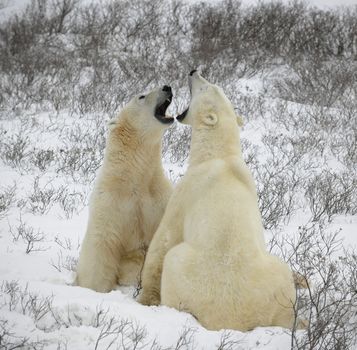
(160, 111)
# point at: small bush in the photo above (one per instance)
(314, 81)
(7, 198)
(42, 198)
(15, 149)
(29, 236)
(176, 143)
(329, 194)
(42, 159)
(329, 303)
(67, 262)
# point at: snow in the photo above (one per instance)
(73, 308)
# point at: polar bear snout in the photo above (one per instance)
(167, 88)
(196, 84)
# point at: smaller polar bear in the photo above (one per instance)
(208, 256)
(129, 197)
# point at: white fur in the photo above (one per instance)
(208, 256)
(128, 200)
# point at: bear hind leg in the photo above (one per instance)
(178, 289)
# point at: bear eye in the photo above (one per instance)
(142, 96)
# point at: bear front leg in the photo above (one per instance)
(97, 266)
(163, 241)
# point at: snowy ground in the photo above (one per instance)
(49, 209)
(70, 314)
(46, 272)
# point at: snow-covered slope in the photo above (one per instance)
(40, 236)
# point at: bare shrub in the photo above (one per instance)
(213, 28)
(42, 198)
(270, 26)
(250, 153)
(343, 144)
(291, 117)
(324, 33)
(329, 194)
(7, 198)
(318, 132)
(67, 262)
(139, 30)
(29, 236)
(42, 158)
(72, 202)
(139, 286)
(46, 52)
(14, 149)
(124, 332)
(66, 243)
(80, 163)
(176, 143)
(315, 81)
(277, 181)
(83, 150)
(12, 289)
(276, 196)
(186, 339)
(10, 340)
(228, 343)
(61, 10)
(329, 303)
(48, 317)
(25, 302)
(27, 56)
(344, 148)
(248, 106)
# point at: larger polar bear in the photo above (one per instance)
(208, 256)
(129, 197)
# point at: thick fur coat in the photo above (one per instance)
(208, 256)
(129, 197)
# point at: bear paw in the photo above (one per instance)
(149, 298)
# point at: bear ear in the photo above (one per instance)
(239, 120)
(210, 119)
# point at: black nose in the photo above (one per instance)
(193, 71)
(166, 88)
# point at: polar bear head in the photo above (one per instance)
(209, 107)
(146, 113)
(215, 131)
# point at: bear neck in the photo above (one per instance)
(216, 143)
(126, 145)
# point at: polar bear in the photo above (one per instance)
(208, 256)
(129, 196)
